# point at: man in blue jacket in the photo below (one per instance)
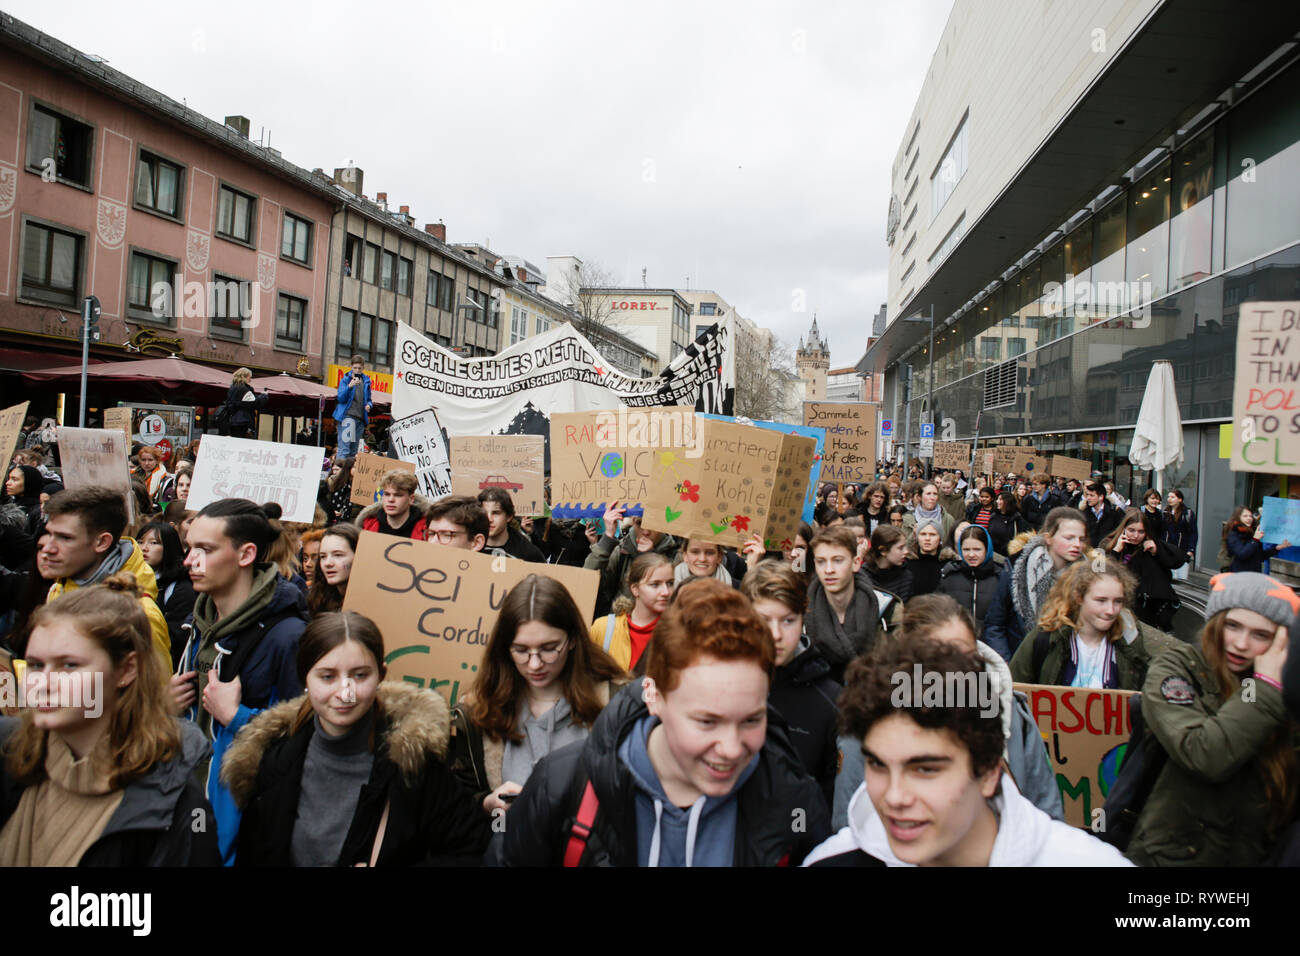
(352, 411)
(241, 656)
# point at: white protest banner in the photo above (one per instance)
(518, 390)
(1265, 389)
(512, 462)
(260, 471)
(418, 438)
(436, 605)
(11, 423)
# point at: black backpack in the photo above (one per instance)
(1144, 758)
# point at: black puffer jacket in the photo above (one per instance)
(163, 819)
(432, 819)
(972, 588)
(805, 695)
(541, 820)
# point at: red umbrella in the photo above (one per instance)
(285, 384)
(166, 372)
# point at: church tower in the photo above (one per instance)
(813, 360)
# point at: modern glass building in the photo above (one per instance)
(1156, 189)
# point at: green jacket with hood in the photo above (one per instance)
(1134, 652)
(1208, 806)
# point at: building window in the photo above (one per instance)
(543, 324)
(949, 242)
(1147, 260)
(1015, 347)
(364, 335)
(950, 170)
(387, 266)
(708, 308)
(518, 325)
(701, 329)
(235, 215)
(158, 185)
(51, 265)
(1189, 230)
(990, 348)
(370, 269)
(290, 318)
(479, 299)
(1263, 204)
(440, 292)
(295, 239)
(404, 267)
(352, 253)
(1107, 287)
(61, 145)
(150, 293)
(907, 273)
(229, 304)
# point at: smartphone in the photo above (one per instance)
(507, 797)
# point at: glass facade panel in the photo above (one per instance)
(1264, 163)
(1147, 266)
(1106, 290)
(1190, 229)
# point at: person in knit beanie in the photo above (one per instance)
(1227, 792)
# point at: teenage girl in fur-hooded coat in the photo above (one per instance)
(352, 772)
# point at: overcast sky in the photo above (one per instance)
(745, 145)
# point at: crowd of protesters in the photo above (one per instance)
(723, 706)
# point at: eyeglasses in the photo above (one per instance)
(444, 537)
(547, 655)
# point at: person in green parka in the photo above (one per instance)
(1087, 634)
(1228, 787)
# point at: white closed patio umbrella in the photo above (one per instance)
(1158, 440)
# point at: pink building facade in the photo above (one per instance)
(196, 242)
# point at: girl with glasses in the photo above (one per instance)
(540, 686)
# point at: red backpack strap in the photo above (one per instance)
(582, 825)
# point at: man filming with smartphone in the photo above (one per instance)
(352, 412)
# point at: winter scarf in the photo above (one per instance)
(1032, 578)
(840, 643)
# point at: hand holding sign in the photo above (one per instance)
(612, 518)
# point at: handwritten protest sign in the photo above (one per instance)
(97, 457)
(600, 457)
(119, 418)
(1266, 388)
(850, 451)
(1086, 732)
(11, 424)
(436, 605)
(1028, 464)
(368, 470)
(418, 438)
(952, 454)
(818, 435)
(985, 461)
(1280, 519)
(1004, 456)
(1063, 466)
(748, 481)
(260, 471)
(512, 462)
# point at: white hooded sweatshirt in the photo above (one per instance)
(1026, 836)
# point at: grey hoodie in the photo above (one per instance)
(542, 735)
(669, 835)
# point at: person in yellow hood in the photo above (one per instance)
(84, 545)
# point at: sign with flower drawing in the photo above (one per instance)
(747, 481)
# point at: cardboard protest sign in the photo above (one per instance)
(818, 435)
(1280, 519)
(119, 418)
(985, 462)
(368, 470)
(600, 457)
(260, 471)
(952, 454)
(1063, 466)
(1028, 464)
(96, 457)
(1086, 732)
(748, 481)
(11, 424)
(419, 439)
(1004, 456)
(850, 451)
(1266, 388)
(436, 605)
(512, 462)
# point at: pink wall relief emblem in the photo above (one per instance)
(196, 250)
(265, 271)
(111, 223)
